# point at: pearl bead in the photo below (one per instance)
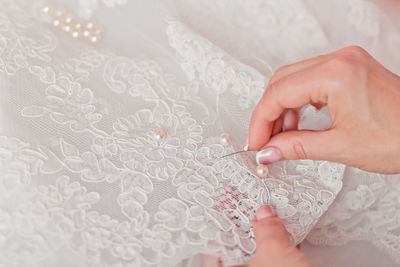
(89, 25)
(68, 20)
(56, 23)
(94, 39)
(59, 12)
(75, 34)
(262, 171)
(46, 9)
(78, 26)
(159, 134)
(86, 33)
(97, 32)
(225, 139)
(67, 28)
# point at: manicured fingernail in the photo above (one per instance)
(290, 121)
(268, 155)
(246, 147)
(265, 212)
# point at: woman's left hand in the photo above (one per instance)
(273, 247)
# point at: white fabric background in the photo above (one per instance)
(220, 54)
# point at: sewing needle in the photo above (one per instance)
(234, 153)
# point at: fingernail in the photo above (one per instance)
(265, 212)
(268, 155)
(246, 147)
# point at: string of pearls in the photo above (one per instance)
(86, 30)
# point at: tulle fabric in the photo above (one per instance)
(84, 182)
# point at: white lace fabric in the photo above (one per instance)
(82, 179)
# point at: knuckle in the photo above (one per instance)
(281, 70)
(342, 71)
(298, 150)
(338, 64)
(356, 51)
(273, 87)
(278, 74)
(260, 110)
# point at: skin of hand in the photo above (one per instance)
(363, 99)
(273, 247)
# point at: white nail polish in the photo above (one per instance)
(246, 147)
(263, 153)
(268, 155)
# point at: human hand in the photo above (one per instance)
(273, 247)
(363, 99)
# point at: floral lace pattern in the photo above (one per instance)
(65, 102)
(367, 211)
(204, 61)
(211, 200)
(96, 183)
(215, 196)
(20, 44)
(255, 24)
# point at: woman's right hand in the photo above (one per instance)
(363, 99)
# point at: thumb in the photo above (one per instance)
(273, 247)
(271, 241)
(269, 231)
(304, 144)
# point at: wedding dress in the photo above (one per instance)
(112, 113)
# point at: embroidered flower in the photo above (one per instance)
(359, 199)
(138, 79)
(67, 194)
(314, 201)
(67, 103)
(18, 162)
(216, 74)
(20, 42)
(91, 167)
(160, 241)
(104, 146)
(162, 157)
(247, 89)
(200, 59)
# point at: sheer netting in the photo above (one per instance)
(110, 151)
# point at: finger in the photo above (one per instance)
(270, 237)
(264, 133)
(299, 66)
(278, 124)
(293, 145)
(318, 105)
(290, 120)
(272, 245)
(304, 64)
(293, 91)
(210, 261)
(269, 230)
